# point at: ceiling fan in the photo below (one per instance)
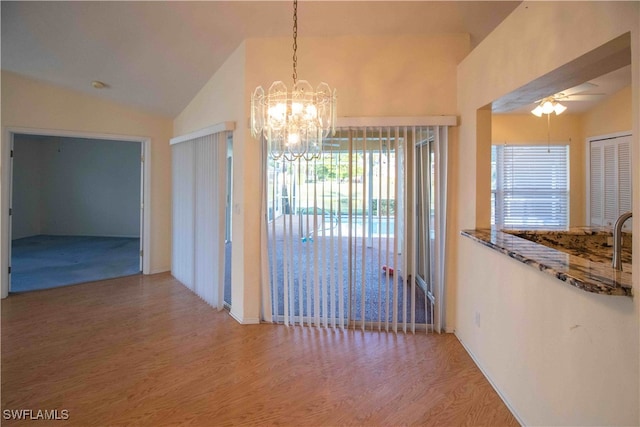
(551, 104)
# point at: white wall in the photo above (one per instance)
(27, 194)
(75, 187)
(91, 188)
(558, 355)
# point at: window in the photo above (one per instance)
(530, 186)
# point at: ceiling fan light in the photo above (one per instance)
(559, 108)
(547, 107)
(537, 111)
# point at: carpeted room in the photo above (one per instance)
(75, 211)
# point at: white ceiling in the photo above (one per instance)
(157, 55)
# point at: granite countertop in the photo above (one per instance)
(597, 277)
(593, 243)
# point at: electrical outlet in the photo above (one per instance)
(478, 319)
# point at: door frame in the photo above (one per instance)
(8, 134)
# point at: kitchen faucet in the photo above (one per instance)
(617, 240)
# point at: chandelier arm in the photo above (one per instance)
(315, 156)
(289, 156)
(295, 41)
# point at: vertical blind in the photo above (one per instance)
(530, 186)
(339, 232)
(199, 193)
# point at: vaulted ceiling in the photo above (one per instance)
(157, 55)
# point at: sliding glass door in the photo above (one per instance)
(340, 234)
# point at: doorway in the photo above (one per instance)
(76, 208)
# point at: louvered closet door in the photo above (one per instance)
(610, 183)
(596, 184)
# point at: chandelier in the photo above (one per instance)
(293, 123)
(547, 106)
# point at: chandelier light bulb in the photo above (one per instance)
(296, 108)
(293, 138)
(277, 113)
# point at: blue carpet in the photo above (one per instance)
(42, 262)
(371, 277)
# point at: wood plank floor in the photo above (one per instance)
(143, 350)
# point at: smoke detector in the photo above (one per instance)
(97, 84)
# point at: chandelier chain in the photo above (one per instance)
(295, 41)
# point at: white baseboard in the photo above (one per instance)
(159, 270)
(127, 236)
(245, 321)
(493, 384)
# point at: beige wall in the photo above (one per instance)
(528, 129)
(29, 103)
(610, 116)
(391, 76)
(557, 355)
(374, 76)
(221, 99)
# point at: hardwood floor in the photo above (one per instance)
(144, 350)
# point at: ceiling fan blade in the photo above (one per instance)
(590, 97)
(577, 89)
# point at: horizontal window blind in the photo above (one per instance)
(530, 186)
